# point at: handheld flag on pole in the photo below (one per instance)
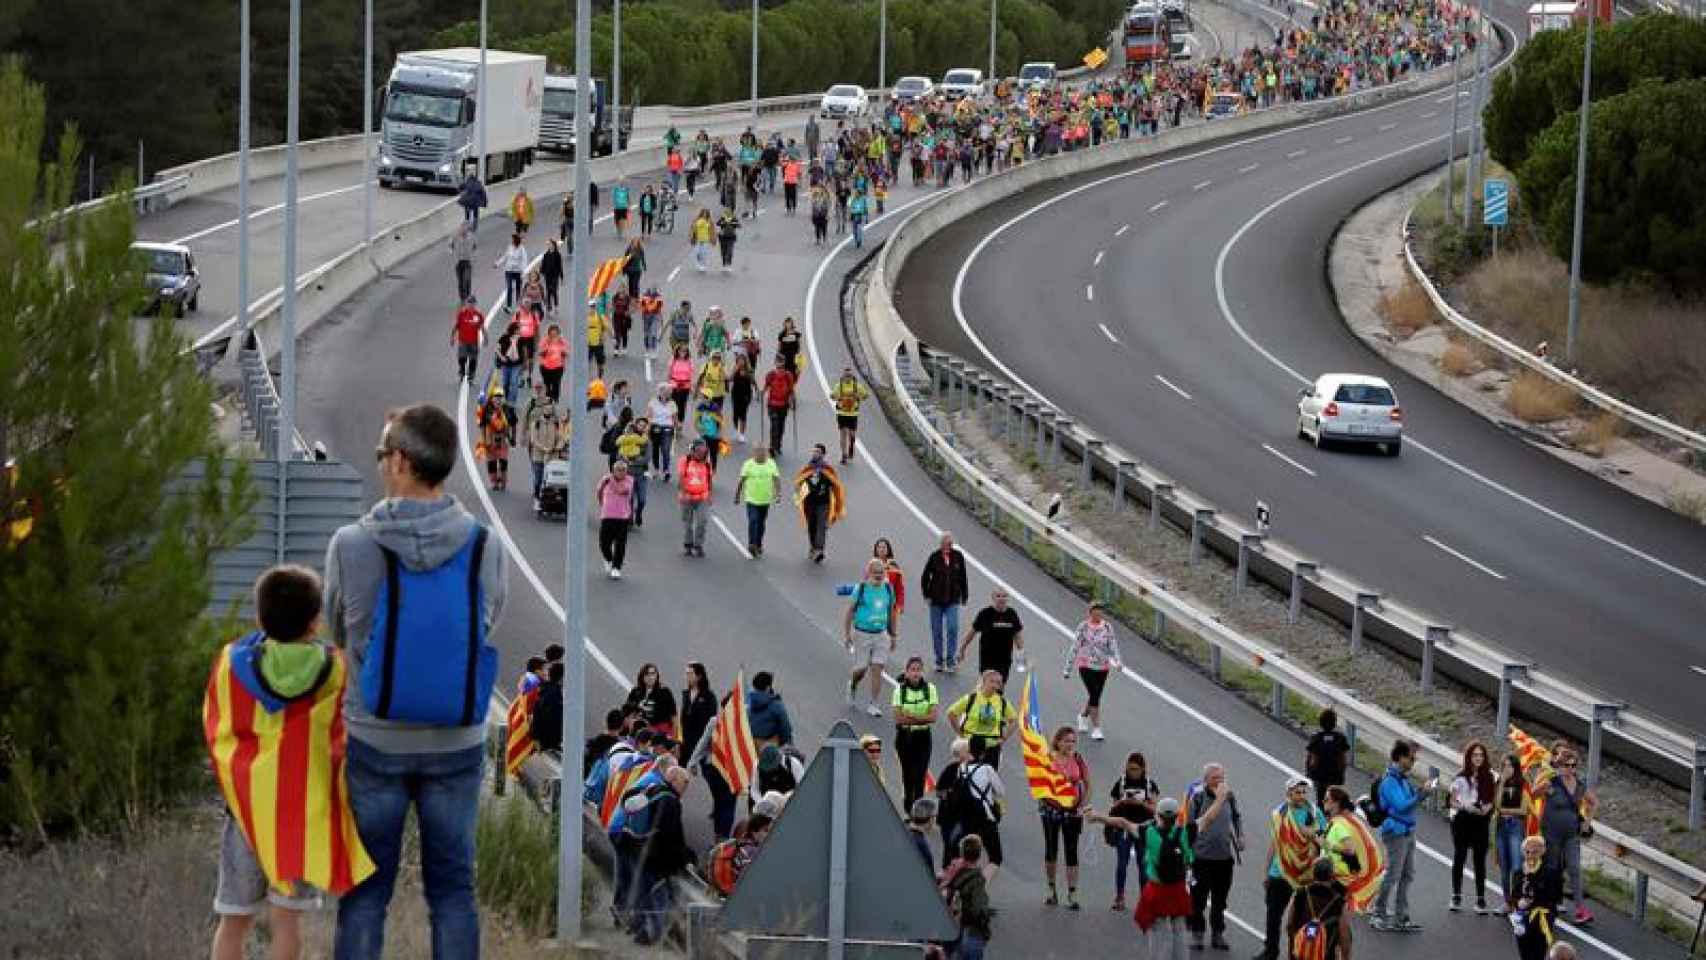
(1046, 783)
(606, 272)
(1537, 774)
(729, 741)
(520, 744)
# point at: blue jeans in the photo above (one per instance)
(969, 947)
(944, 631)
(639, 498)
(757, 515)
(1508, 843)
(858, 231)
(511, 375)
(650, 917)
(1125, 853)
(512, 289)
(444, 789)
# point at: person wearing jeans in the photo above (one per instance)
(513, 262)
(1512, 812)
(394, 765)
(759, 487)
(1399, 798)
(945, 587)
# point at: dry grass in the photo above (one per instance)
(1641, 346)
(1459, 361)
(1535, 399)
(1687, 503)
(1407, 310)
(1597, 433)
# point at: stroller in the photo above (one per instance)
(554, 491)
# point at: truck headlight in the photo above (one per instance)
(385, 160)
(444, 168)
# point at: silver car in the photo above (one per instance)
(1350, 408)
(169, 274)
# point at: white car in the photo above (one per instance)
(844, 100)
(912, 89)
(962, 82)
(1182, 46)
(1037, 76)
(1351, 408)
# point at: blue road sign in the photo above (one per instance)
(1495, 203)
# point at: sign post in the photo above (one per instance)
(1495, 207)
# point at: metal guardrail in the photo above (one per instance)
(1650, 422)
(967, 391)
(260, 399)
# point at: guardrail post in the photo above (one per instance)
(1125, 468)
(1276, 700)
(1434, 636)
(1351, 737)
(1214, 654)
(1161, 624)
(1301, 571)
(1640, 898)
(941, 384)
(1697, 786)
(1603, 713)
(1093, 450)
(1511, 673)
(985, 397)
(1201, 518)
(1062, 425)
(1045, 419)
(1031, 420)
(1246, 543)
(956, 381)
(1158, 493)
(500, 769)
(1366, 600)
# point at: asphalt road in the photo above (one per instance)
(390, 346)
(1190, 296)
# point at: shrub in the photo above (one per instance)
(1596, 434)
(1407, 309)
(1535, 399)
(515, 863)
(1458, 361)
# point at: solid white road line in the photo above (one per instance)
(1126, 226)
(1388, 126)
(1172, 386)
(1343, 140)
(1108, 333)
(1248, 168)
(1089, 292)
(729, 535)
(1287, 459)
(1157, 206)
(1202, 186)
(1489, 571)
(1098, 258)
(1471, 473)
(264, 211)
(1430, 114)
(1295, 154)
(1699, 670)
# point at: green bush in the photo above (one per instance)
(1646, 199)
(104, 651)
(1545, 81)
(684, 53)
(515, 863)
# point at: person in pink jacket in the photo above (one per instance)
(1094, 652)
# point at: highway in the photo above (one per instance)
(1191, 291)
(390, 347)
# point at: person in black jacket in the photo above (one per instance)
(698, 712)
(945, 587)
(547, 723)
(665, 855)
(551, 271)
(597, 745)
(652, 700)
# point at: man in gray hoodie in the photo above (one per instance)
(392, 765)
(462, 249)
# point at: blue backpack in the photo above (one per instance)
(635, 818)
(871, 609)
(427, 659)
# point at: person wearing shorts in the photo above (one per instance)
(868, 633)
(596, 327)
(846, 395)
(242, 890)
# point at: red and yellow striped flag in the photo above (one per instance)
(280, 765)
(1294, 846)
(606, 272)
(733, 751)
(520, 744)
(1537, 774)
(625, 770)
(1046, 783)
(1350, 835)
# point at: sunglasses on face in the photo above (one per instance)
(873, 750)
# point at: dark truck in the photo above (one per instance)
(557, 121)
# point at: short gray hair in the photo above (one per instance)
(426, 437)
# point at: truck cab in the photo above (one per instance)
(429, 123)
(557, 121)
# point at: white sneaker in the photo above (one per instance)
(616, 574)
(852, 688)
(1083, 724)
(607, 568)
(873, 710)
(1095, 733)
(740, 436)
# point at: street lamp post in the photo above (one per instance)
(992, 4)
(287, 346)
(755, 58)
(1574, 327)
(367, 130)
(1451, 140)
(615, 77)
(480, 96)
(243, 170)
(882, 44)
(1477, 133)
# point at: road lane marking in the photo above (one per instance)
(1202, 186)
(1248, 168)
(1126, 226)
(1108, 333)
(729, 535)
(1295, 154)
(1489, 571)
(1444, 99)
(1388, 126)
(1172, 386)
(1089, 292)
(1287, 459)
(264, 211)
(1157, 206)
(1342, 140)
(673, 274)
(1098, 258)
(1430, 115)
(1439, 455)
(1699, 670)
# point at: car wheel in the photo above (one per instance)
(195, 303)
(1394, 448)
(1320, 441)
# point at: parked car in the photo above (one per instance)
(845, 100)
(169, 274)
(1037, 76)
(1182, 46)
(912, 89)
(1350, 408)
(962, 82)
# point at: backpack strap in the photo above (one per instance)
(388, 656)
(474, 613)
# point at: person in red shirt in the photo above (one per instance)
(465, 337)
(779, 399)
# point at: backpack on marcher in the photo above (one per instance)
(1170, 858)
(725, 862)
(1309, 941)
(1372, 806)
(639, 818)
(427, 658)
(872, 617)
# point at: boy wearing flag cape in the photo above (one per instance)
(273, 721)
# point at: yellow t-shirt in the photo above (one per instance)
(983, 715)
(712, 380)
(594, 329)
(847, 397)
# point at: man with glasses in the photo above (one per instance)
(1000, 635)
(1399, 799)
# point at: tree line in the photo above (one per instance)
(1646, 199)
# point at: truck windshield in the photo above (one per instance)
(560, 102)
(414, 106)
(1036, 71)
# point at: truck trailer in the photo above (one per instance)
(430, 124)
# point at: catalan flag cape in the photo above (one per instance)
(1046, 783)
(626, 769)
(606, 272)
(280, 765)
(1352, 842)
(1537, 775)
(729, 741)
(520, 745)
(837, 493)
(1295, 846)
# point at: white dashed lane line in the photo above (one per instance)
(1287, 459)
(1248, 168)
(1489, 571)
(1430, 115)
(1388, 126)
(1089, 292)
(1157, 206)
(1342, 140)
(1172, 386)
(1108, 333)
(1099, 255)
(1203, 186)
(1124, 227)
(1295, 154)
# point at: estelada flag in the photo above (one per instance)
(1360, 847)
(520, 745)
(1294, 846)
(606, 272)
(1046, 783)
(733, 751)
(280, 765)
(1537, 774)
(837, 493)
(625, 770)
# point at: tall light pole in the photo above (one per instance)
(287, 348)
(1575, 323)
(1451, 141)
(616, 78)
(366, 130)
(243, 169)
(480, 96)
(755, 58)
(1476, 133)
(574, 540)
(882, 44)
(992, 4)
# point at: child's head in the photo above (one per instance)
(287, 602)
(536, 665)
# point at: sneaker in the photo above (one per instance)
(1096, 734)
(607, 568)
(1406, 925)
(1053, 898)
(1377, 921)
(1456, 904)
(1481, 906)
(1583, 916)
(615, 573)
(1198, 940)
(1118, 904)
(874, 711)
(1218, 942)
(1083, 723)
(1072, 899)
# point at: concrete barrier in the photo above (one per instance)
(219, 173)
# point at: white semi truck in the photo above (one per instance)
(430, 126)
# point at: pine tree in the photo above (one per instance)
(104, 553)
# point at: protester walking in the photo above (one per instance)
(965, 887)
(698, 712)
(696, 473)
(822, 500)
(846, 396)
(465, 333)
(1217, 829)
(759, 488)
(1093, 651)
(462, 248)
(985, 717)
(471, 197)
(867, 631)
(1398, 801)
(915, 705)
(767, 717)
(1063, 820)
(615, 501)
(513, 262)
(778, 393)
(1134, 797)
(945, 586)
(553, 358)
(551, 271)
(1164, 902)
(1000, 635)
(1566, 817)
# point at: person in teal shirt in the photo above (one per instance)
(619, 208)
(858, 208)
(1278, 887)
